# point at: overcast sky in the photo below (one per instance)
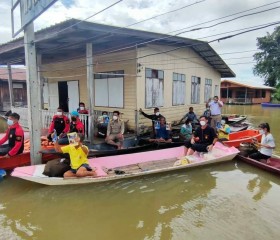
(129, 11)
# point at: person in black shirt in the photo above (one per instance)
(203, 139)
(154, 117)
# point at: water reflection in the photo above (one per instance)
(259, 187)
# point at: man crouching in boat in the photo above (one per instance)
(203, 139)
(78, 158)
(15, 137)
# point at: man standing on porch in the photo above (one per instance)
(216, 111)
(115, 131)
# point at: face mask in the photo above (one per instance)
(59, 113)
(223, 122)
(202, 123)
(73, 119)
(10, 122)
(157, 113)
(215, 100)
(82, 108)
(104, 115)
(115, 117)
(190, 124)
(261, 131)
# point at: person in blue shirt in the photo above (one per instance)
(192, 116)
(102, 124)
(162, 132)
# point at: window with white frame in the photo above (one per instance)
(154, 88)
(179, 89)
(195, 87)
(207, 89)
(109, 89)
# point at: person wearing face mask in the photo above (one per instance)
(15, 137)
(186, 130)
(115, 131)
(192, 116)
(76, 125)
(223, 131)
(203, 139)
(266, 145)
(216, 110)
(82, 109)
(154, 117)
(102, 124)
(162, 132)
(60, 123)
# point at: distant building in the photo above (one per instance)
(233, 92)
(19, 88)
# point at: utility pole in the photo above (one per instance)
(90, 87)
(33, 95)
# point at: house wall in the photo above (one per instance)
(170, 62)
(76, 69)
(134, 87)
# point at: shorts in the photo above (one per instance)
(258, 156)
(85, 165)
(200, 147)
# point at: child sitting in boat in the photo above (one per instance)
(162, 131)
(223, 131)
(266, 146)
(78, 158)
(186, 130)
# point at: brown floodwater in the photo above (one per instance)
(231, 200)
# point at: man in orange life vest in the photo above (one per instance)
(60, 123)
(15, 137)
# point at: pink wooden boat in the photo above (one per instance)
(132, 165)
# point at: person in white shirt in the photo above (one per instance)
(267, 144)
(216, 111)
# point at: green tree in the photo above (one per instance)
(276, 94)
(268, 59)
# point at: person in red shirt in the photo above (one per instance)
(15, 137)
(82, 109)
(60, 123)
(76, 125)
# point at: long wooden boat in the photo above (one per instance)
(131, 145)
(243, 136)
(270, 104)
(237, 127)
(132, 165)
(272, 166)
(234, 118)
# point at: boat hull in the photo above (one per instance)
(273, 166)
(270, 104)
(133, 165)
(236, 138)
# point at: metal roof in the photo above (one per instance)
(248, 85)
(68, 40)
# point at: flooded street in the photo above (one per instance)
(225, 201)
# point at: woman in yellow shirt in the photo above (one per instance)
(78, 157)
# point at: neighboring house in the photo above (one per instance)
(233, 92)
(133, 69)
(19, 88)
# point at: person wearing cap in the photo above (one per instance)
(60, 123)
(266, 145)
(102, 124)
(76, 125)
(154, 117)
(223, 131)
(15, 137)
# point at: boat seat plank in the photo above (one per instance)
(165, 163)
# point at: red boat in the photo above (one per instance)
(273, 164)
(236, 138)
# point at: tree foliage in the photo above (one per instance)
(268, 59)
